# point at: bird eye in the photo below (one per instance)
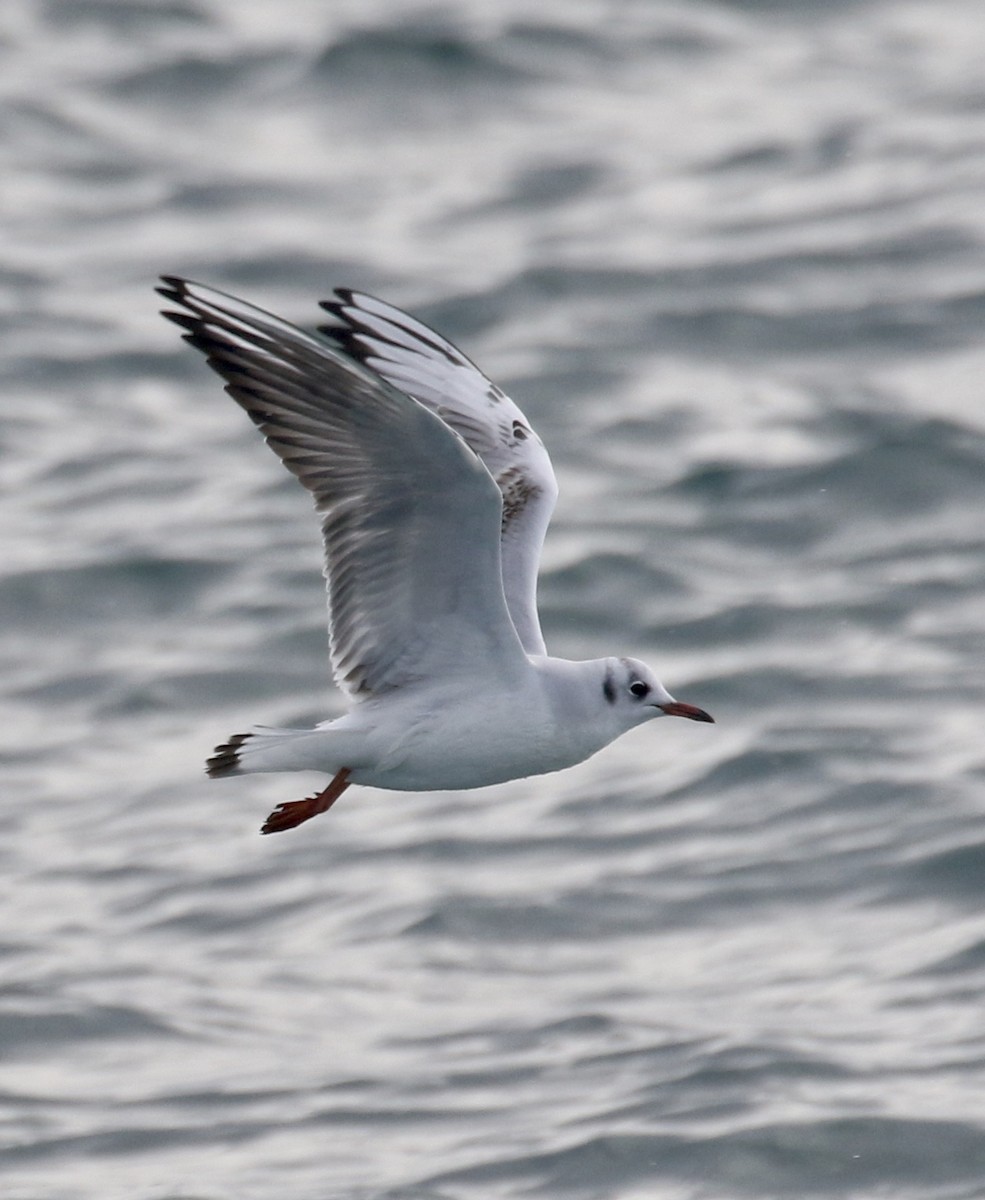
(639, 689)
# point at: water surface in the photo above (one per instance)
(730, 258)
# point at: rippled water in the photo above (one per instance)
(731, 260)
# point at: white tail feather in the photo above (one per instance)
(263, 749)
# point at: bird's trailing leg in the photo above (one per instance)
(286, 816)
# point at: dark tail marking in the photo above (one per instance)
(226, 757)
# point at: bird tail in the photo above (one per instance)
(225, 758)
(262, 749)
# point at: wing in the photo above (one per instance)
(410, 516)
(424, 365)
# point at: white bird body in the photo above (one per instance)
(410, 742)
(435, 495)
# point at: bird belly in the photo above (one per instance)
(456, 750)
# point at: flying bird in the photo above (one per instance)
(434, 495)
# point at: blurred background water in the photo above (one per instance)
(730, 258)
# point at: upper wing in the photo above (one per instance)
(424, 365)
(410, 516)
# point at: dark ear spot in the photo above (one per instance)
(609, 687)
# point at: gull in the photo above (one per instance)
(434, 495)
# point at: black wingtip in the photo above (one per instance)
(343, 296)
(184, 319)
(175, 291)
(174, 287)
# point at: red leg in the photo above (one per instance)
(286, 816)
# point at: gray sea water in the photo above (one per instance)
(730, 258)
